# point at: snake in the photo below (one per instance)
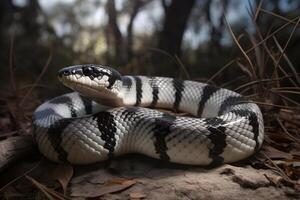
(108, 114)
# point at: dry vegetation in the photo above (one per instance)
(273, 83)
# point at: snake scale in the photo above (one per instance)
(109, 115)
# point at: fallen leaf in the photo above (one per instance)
(275, 180)
(49, 193)
(137, 195)
(277, 154)
(288, 162)
(121, 181)
(63, 173)
(292, 168)
(279, 136)
(96, 190)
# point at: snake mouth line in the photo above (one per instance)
(76, 85)
(100, 95)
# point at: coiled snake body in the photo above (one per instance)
(73, 128)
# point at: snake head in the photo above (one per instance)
(101, 83)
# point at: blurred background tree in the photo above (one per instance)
(251, 47)
(150, 37)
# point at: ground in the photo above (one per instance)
(137, 177)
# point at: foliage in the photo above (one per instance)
(257, 57)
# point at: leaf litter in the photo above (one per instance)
(281, 150)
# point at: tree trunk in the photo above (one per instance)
(137, 4)
(216, 30)
(114, 31)
(170, 40)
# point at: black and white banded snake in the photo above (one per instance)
(73, 128)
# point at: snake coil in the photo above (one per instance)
(118, 120)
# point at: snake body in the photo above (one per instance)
(73, 128)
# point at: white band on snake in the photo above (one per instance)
(75, 128)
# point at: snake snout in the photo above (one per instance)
(95, 81)
(89, 70)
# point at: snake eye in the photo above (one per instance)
(63, 72)
(66, 73)
(87, 71)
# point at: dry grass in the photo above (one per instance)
(19, 101)
(274, 84)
